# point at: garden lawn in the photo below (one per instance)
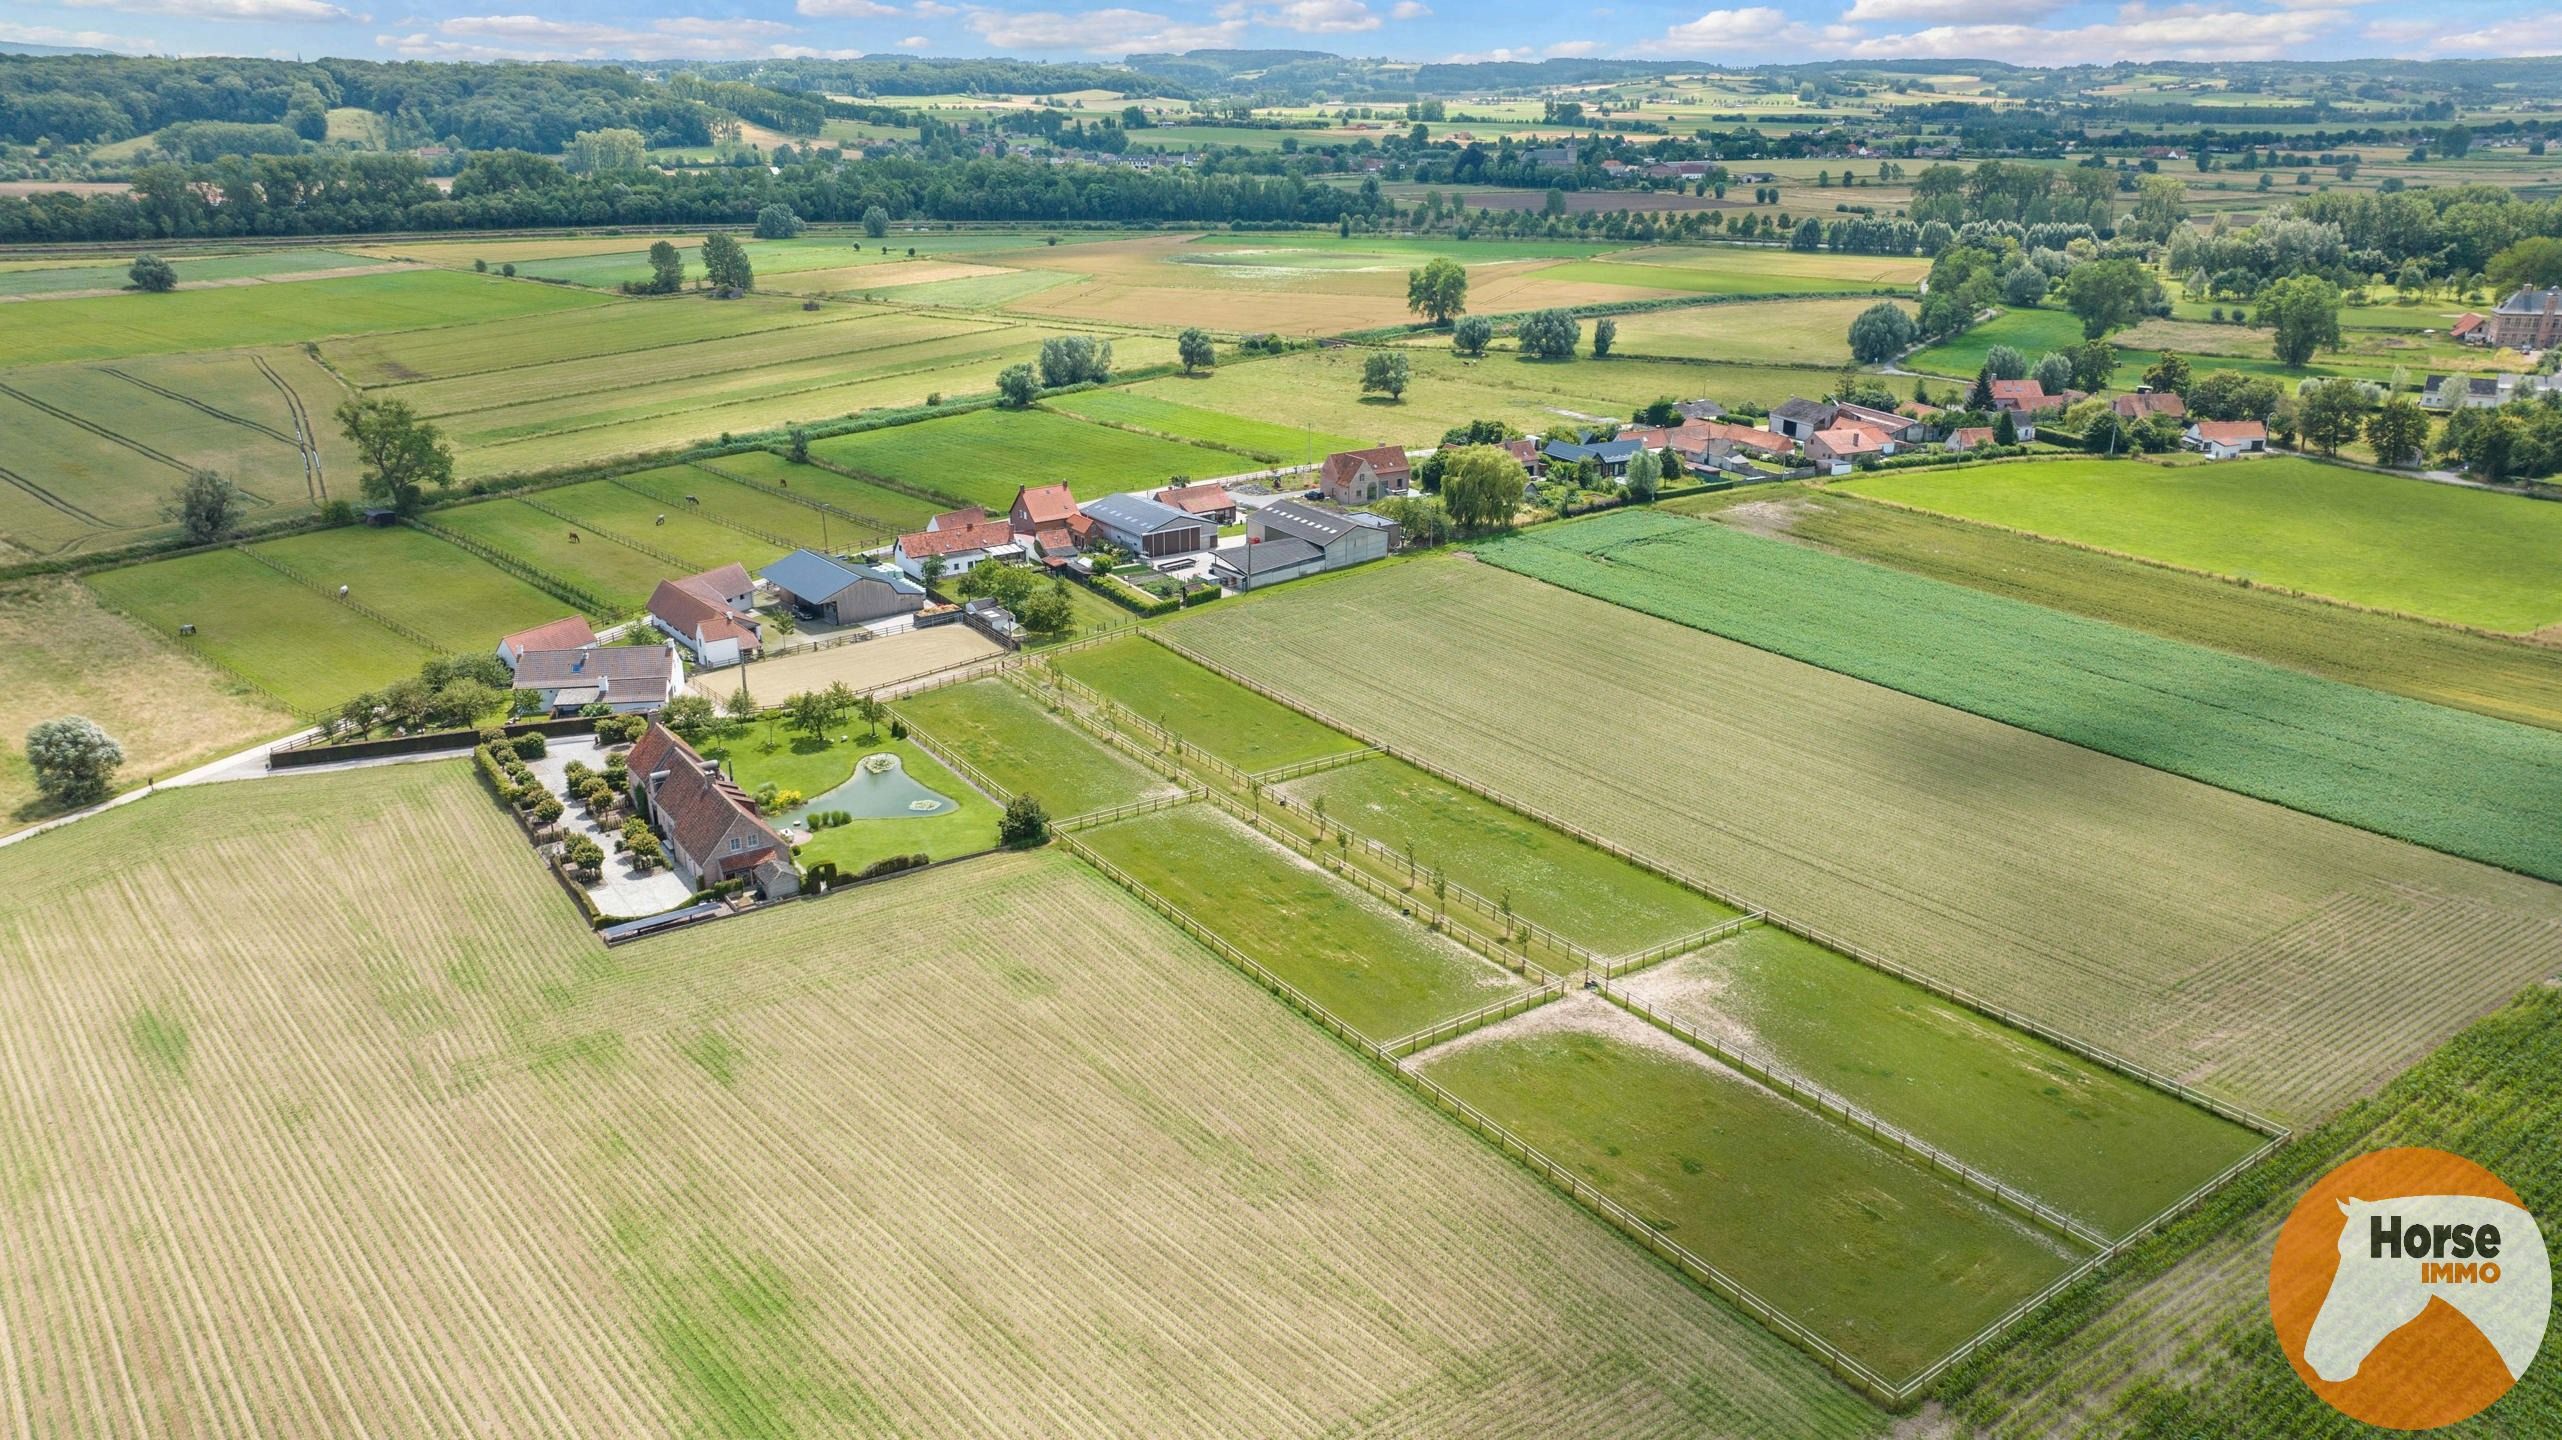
(982, 457)
(1276, 444)
(2482, 673)
(2438, 551)
(310, 652)
(1587, 895)
(814, 767)
(1222, 717)
(696, 541)
(1024, 748)
(1381, 975)
(2105, 1149)
(456, 598)
(878, 508)
(619, 575)
(106, 326)
(2448, 779)
(1875, 1254)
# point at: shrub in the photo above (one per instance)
(532, 746)
(822, 873)
(892, 864)
(547, 809)
(583, 855)
(493, 736)
(898, 728)
(574, 777)
(1025, 824)
(619, 729)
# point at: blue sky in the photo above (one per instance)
(2020, 31)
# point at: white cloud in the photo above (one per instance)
(934, 8)
(305, 10)
(1744, 28)
(75, 39)
(533, 37)
(1410, 10)
(2517, 35)
(914, 42)
(1103, 32)
(2191, 33)
(1863, 12)
(1321, 17)
(858, 9)
(1571, 49)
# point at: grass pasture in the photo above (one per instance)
(63, 653)
(193, 270)
(2454, 781)
(754, 515)
(1773, 332)
(981, 457)
(1756, 1184)
(2107, 1150)
(112, 326)
(454, 597)
(891, 511)
(1021, 746)
(2488, 676)
(1587, 895)
(593, 332)
(1376, 972)
(617, 574)
(2438, 551)
(1159, 414)
(772, 1177)
(644, 519)
(1205, 709)
(308, 651)
(2132, 909)
(1745, 270)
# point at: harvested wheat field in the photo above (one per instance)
(372, 1138)
(2277, 960)
(864, 665)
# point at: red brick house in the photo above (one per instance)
(1208, 502)
(1357, 477)
(711, 827)
(2150, 402)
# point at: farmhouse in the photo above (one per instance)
(713, 832)
(1897, 429)
(2224, 439)
(1208, 502)
(1357, 477)
(1526, 450)
(712, 615)
(1836, 449)
(1795, 418)
(2528, 320)
(570, 633)
(961, 548)
(624, 679)
(1289, 538)
(2022, 397)
(1149, 528)
(2145, 403)
(1041, 507)
(1969, 437)
(2470, 329)
(1611, 456)
(824, 588)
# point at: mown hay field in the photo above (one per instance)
(308, 651)
(1889, 1262)
(63, 653)
(2439, 551)
(2228, 941)
(2481, 673)
(1368, 967)
(109, 326)
(593, 332)
(1741, 270)
(770, 1177)
(981, 457)
(59, 277)
(2448, 779)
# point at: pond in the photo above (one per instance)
(879, 789)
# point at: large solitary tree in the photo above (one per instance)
(73, 759)
(1194, 349)
(205, 507)
(1882, 332)
(726, 265)
(153, 274)
(1388, 372)
(2399, 430)
(1438, 291)
(402, 454)
(2302, 313)
(666, 268)
(1481, 487)
(2109, 294)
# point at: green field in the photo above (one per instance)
(756, 515)
(2438, 551)
(2030, 332)
(105, 327)
(308, 651)
(894, 1162)
(1274, 444)
(2452, 780)
(192, 269)
(2129, 907)
(457, 599)
(592, 331)
(1223, 718)
(1379, 974)
(696, 542)
(1744, 272)
(619, 575)
(983, 456)
(2490, 676)
(815, 766)
(1781, 332)
(2084, 1139)
(1022, 747)
(1587, 895)
(888, 512)
(1757, 1185)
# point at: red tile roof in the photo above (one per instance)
(1970, 436)
(2465, 324)
(569, 633)
(1849, 440)
(2228, 432)
(686, 609)
(2157, 402)
(1043, 505)
(955, 519)
(698, 808)
(1388, 461)
(2021, 394)
(985, 536)
(1196, 499)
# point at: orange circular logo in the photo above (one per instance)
(2410, 1288)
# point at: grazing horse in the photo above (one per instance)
(573, 537)
(2483, 1256)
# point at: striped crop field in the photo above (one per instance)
(2454, 781)
(2129, 908)
(374, 1138)
(107, 326)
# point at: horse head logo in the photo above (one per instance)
(2482, 1256)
